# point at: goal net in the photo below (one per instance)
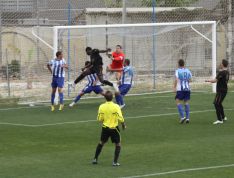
(153, 50)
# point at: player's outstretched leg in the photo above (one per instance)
(82, 76)
(106, 82)
(76, 99)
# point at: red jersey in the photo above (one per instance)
(118, 59)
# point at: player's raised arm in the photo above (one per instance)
(105, 50)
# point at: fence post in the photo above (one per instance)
(154, 44)
(7, 75)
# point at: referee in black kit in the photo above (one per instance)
(110, 115)
(221, 91)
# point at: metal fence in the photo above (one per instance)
(23, 57)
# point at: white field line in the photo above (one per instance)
(47, 104)
(181, 171)
(86, 121)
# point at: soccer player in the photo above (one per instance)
(117, 62)
(221, 91)
(95, 66)
(110, 114)
(183, 77)
(56, 68)
(93, 85)
(125, 83)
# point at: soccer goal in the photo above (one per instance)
(153, 49)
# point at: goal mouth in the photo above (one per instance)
(153, 50)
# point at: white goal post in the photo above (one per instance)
(192, 25)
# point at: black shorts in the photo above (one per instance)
(114, 134)
(96, 69)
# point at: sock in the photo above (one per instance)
(52, 98)
(117, 151)
(121, 100)
(98, 150)
(61, 98)
(118, 99)
(187, 110)
(180, 110)
(106, 82)
(77, 98)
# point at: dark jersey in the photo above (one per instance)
(96, 59)
(222, 81)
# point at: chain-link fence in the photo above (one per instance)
(26, 35)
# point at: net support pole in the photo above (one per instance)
(154, 45)
(214, 55)
(124, 15)
(55, 41)
(68, 46)
(55, 46)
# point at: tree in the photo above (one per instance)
(111, 3)
(167, 3)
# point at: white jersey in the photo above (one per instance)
(92, 79)
(183, 77)
(57, 67)
(127, 75)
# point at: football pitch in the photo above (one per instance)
(36, 143)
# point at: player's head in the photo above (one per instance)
(87, 63)
(109, 96)
(224, 63)
(118, 48)
(181, 63)
(126, 62)
(88, 50)
(59, 55)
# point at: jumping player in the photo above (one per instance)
(117, 62)
(93, 85)
(95, 67)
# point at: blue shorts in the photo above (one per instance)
(183, 95)
(96, 89)
(124, 88)
(57, 82)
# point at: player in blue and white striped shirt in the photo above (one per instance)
(57, 68)
(93, 85)
(183, 77)
(125, 83)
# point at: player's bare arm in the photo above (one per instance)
(211, 81)
(49, 68)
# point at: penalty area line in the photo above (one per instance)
(181, 171)
(86, 121)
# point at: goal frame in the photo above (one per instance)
(213, 40)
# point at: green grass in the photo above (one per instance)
(151, 144)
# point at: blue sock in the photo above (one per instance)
(77, 99)
(180, 110)
(61, 98)
(52, 98)
(117, 99)
(187, 110)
